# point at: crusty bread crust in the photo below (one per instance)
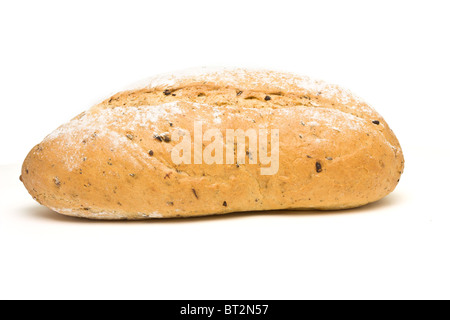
(110, 162)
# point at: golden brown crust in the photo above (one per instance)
(111, 162)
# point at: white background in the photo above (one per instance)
(57, 59)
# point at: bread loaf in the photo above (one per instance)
(121, 159)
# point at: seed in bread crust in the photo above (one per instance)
(376, 122)
(56, 181)
(167, 92)
(318, 167)
(162, 137)
(267, 98)
(166, 138)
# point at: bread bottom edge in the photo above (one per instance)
(116, 216)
